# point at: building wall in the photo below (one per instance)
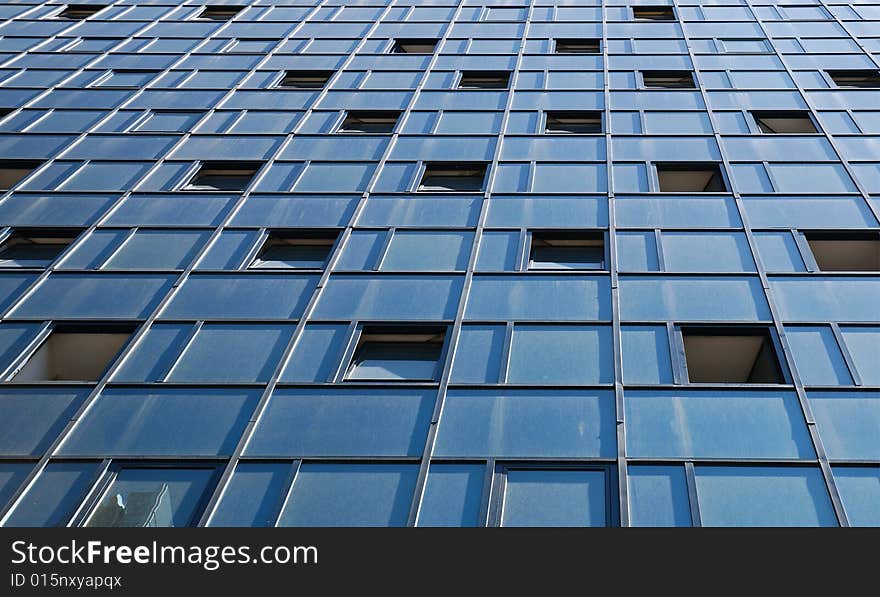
(559, 396)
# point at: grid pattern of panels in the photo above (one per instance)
(427, 262)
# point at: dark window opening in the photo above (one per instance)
(453, 176)
(855, 78)
(845, 252)
(669, 79)
(305, 79)
(790, 122)
(573, 122)
(369, 121)
(13, 172)
(81, 11)
(567, 250)
(578, 46)
(223, 176)
(34, 248)
(155, 496)
(414, 46)
(653, 13)
(295, 250)
(75, 354)
(219, 13)
(690, 178)
(484, 80)
(397, 354)
(731, 355)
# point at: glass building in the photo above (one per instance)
(440, 262)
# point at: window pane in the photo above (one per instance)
(374, 495)
(555, 498)
(413, 251)
(658, 496)
(860, 491)
(848, 423)
(56, 493)
(232, 353)
(561, 355)
(707, 424)
(12, 475)
(253, 496)
(146, 497)
(862, 344)
(453, 495)
(163, 422)
(752, 496)
(344, 422)
(527, 423)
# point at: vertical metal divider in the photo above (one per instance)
(617, 338)
(138, 335)
(469, 275)
(768, 295)
(346, 233)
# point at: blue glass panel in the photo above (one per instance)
(498, 251)
(863, 346)
(31, 418)
(253, 496)
(343, 423)
(362, 251)
(233, 353)
(706, 252)
(690, 298)
(171, 210)
(207, 422)
(514, 423)
(753, 496)
(646, 356)
(710, 424)
(152, 497)
(56, 493)
(389, 298)
(807, 212)
(696, 212)
(261, 296)
(53, 210)
(555, 498)
(14, 338)
(658, 496)
(817, 356)
(549, 212)
(106, 176)
(321, 177)
(827, 299)
(350, 495)
(157, 249)
(228, 250)
(860, 492)
(543, 354)
(453, 494)
(151, 359)
(552, 298)
(94, 296)
(478, 356)
(438, 251)
(316, 355)
(779, 252)
(12, 475)
(637, 251)
(811, 178)
(848, 423)
(290, 211)
(12, 285)
(420, 211)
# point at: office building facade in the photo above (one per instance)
(440, 263)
